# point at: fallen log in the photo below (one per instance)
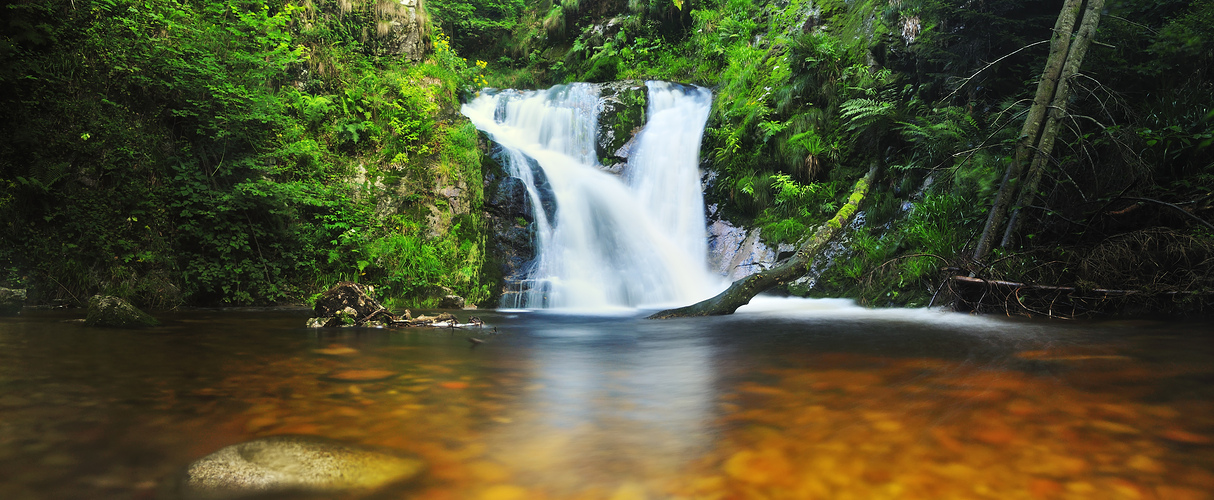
(741, 291)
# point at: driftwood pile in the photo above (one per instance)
(353, 304)
(1063, 302)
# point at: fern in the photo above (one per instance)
(811, 141)
(938, 135)
(860, 113)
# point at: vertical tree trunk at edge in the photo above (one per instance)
(1074, 59)
(740, 292)
(1032, 126)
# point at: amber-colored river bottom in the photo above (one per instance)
(812, 400)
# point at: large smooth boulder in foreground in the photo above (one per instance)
(292, 467)
(106, 310)
(11, 301)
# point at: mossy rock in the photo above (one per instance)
(624, 105)
(11, 301)
(110, 311)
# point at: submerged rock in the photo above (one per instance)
(106, 310)
(11, 301)
(294, 466)
(360, 375)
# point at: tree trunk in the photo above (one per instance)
(740, 292)
(1079, 48)
(1032, 126)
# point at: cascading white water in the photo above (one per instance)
(612, 242)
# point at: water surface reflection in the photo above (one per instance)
(808, 399)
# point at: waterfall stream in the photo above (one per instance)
(603, 240)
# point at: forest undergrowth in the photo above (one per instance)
(253, 152)
(806, 93)
(232, 153)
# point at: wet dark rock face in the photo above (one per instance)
(509, 216)
(509, 197)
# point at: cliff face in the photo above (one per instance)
(401, 28)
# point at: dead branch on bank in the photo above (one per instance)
(1153, 270)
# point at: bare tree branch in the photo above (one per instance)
(992, 63)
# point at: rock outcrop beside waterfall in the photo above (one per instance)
(736, 252)
(621, 115)
(400, 29)
(509, 217)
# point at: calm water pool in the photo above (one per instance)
(785, 400)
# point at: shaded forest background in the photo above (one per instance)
(234, 153)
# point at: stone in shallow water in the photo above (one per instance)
(105, 310)
(337, 350)
(11, 301)
(362, 375)
(293, 466)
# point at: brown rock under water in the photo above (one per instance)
(362, 375)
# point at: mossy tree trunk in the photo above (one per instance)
(1074, 59)
(1059, 45)
(1033, 123)
(740, 292)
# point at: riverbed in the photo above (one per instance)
(788, 399)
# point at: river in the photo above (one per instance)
(786, 399)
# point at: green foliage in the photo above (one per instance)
(936, 135)
(236, 151)
(226, 153)
(862, 113)
(478, 27)
(899, 265)
(784, 231)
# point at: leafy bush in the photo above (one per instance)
(205, 152)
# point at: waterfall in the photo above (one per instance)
(602, 240)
